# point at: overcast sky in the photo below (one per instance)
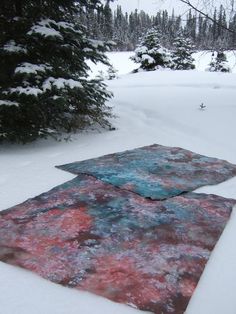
(152, 6)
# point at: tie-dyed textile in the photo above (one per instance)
(156, 171)
(92, 236)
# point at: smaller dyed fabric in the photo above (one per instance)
(93, 236)
(156, 171)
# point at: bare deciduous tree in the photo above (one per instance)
(209, 4)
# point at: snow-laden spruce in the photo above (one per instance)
(181, 56)
(44, 85)
(150, 53)
(219, 63)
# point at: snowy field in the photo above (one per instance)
(155, 107)
(122, 63)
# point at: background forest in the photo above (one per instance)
(126, 29)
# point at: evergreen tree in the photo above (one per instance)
(181, 57)
(112, 73)
(232, 36)
(150, 53)
(127, 29)
(44, 85)
(219, 63)
(120, 33)
(214, 28)
(108, 22)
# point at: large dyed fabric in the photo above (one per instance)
(92, 236)
(156, 171)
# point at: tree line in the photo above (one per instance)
(127, 29)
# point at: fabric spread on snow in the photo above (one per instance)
(156, 171)
(93, 236)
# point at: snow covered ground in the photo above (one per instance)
(122, 63)
(156, 107)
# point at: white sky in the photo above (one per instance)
(152, 6)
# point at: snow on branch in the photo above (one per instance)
(34, 91)
(96, 43)
(60, 83)
(147, 58)
(66, 25)
(44, 29)
(48, 27)
(49, 83)
(8, 103)
(12, 47)
(30, 68)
